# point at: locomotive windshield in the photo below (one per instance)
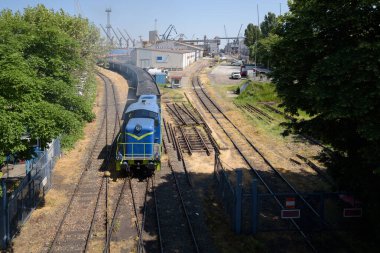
(143, 114)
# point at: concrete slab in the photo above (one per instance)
(14, 171)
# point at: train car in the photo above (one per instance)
(139, 144)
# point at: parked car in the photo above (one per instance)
(237, 63)
(235, 75)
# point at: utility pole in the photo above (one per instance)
(228, 40)
(280, 9)
(257, 37)
(237, 40)
(108, 26)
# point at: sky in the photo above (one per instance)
(194, 18)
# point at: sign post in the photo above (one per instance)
(352, 212)
(290, 212)
(290, 203)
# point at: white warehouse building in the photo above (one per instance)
(163, 59)
(171, 55)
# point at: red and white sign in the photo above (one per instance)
(352, 212)
(290, 214)
(290, 203)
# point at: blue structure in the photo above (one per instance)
(139, 145)
(160, 78)
(17, 203)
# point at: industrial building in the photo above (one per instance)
(162, 59)
(178, 46)
(171, 55)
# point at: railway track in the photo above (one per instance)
(132, 205)
(270, 107)
(272, 181)
(175, 225)
(256, 112)
(75, 229)
(180, 224)
(183, 115)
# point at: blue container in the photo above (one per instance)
(160, 78)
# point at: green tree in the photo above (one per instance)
(43, 55)
(269, 23)
(264, 49)
(327, 64)
(252, 34)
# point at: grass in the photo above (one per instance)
(259, 92)
(173, 94)
(116, 226)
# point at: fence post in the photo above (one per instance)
(215, 161)
(238, 201)
(322, 208)
(255, 205)
(28, 202)
(5, 213)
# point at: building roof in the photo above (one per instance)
(174, 45)
(189, 45)
(166, 50)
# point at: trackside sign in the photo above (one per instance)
(352, 212)
(290, 214)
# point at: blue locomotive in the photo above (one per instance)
(139, 143)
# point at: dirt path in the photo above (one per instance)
(38, 231)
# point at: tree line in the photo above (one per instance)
(324, 57)
(47, 84)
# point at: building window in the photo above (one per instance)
(161, 58)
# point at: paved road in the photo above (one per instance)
(221, 74)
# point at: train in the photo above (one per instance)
(139, 143)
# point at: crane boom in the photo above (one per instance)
(133, 41)
(104, 30)
(168, 31)
(122, 35)
(237, 37)
(225, 33)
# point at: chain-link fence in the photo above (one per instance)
(229, 192)
(17, 205)
(250, 211)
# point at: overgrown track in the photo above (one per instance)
(181, 225)
(256, 112)
(176, 228)
(271, 179)
(183, 115)
(306, 137)
(131, 205)
(75, 228)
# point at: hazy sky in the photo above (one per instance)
(194, 18)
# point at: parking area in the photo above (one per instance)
(221, 74)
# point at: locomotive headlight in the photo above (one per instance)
(138, 128)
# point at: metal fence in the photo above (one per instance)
(229, 194)
(250, 212)
(16, 206)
